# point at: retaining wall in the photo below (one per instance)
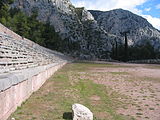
(17, 86)
(148, 61)
(24, 68)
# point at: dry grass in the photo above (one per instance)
(111, 91)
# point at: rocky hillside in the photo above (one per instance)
(118, 21)
(93, 34)
(81, 34)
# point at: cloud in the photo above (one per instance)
(158, 6)
(153, 20)
(147, 9)
(130, 5)
(105, 5)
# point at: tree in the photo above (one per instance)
(4, 10)
(125, 58)
(31, 28)
(5, 2)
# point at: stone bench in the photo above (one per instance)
(22, 53)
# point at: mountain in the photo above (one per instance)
(94, 34)
(119, 21)
(81, 35)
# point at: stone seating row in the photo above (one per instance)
(16, 54)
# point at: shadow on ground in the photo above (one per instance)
(67, 116)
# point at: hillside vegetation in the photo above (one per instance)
(29, 27)
(83, 37)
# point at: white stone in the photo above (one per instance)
(81, 112)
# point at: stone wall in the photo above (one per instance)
(148, 61)
(20, 53)
(17, 87)
(24, 67)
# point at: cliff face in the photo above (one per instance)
(90, 34)
(75, 25)
(119, 21)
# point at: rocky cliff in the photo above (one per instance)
(118, 21)
(91, 34)
(76, 26)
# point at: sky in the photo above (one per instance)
(149, 9)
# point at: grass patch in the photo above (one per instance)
(54, 99)
(156, 66)
(139, 114)
(151, 109)
(119, 73)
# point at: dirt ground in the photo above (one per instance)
(112, 91)
(140, 84)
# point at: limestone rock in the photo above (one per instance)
(81, 112)
(90, 36)
(119, 20)
(76, 26)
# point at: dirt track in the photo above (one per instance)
(140, 84)
(113, 91)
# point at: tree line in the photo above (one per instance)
(29, 27)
